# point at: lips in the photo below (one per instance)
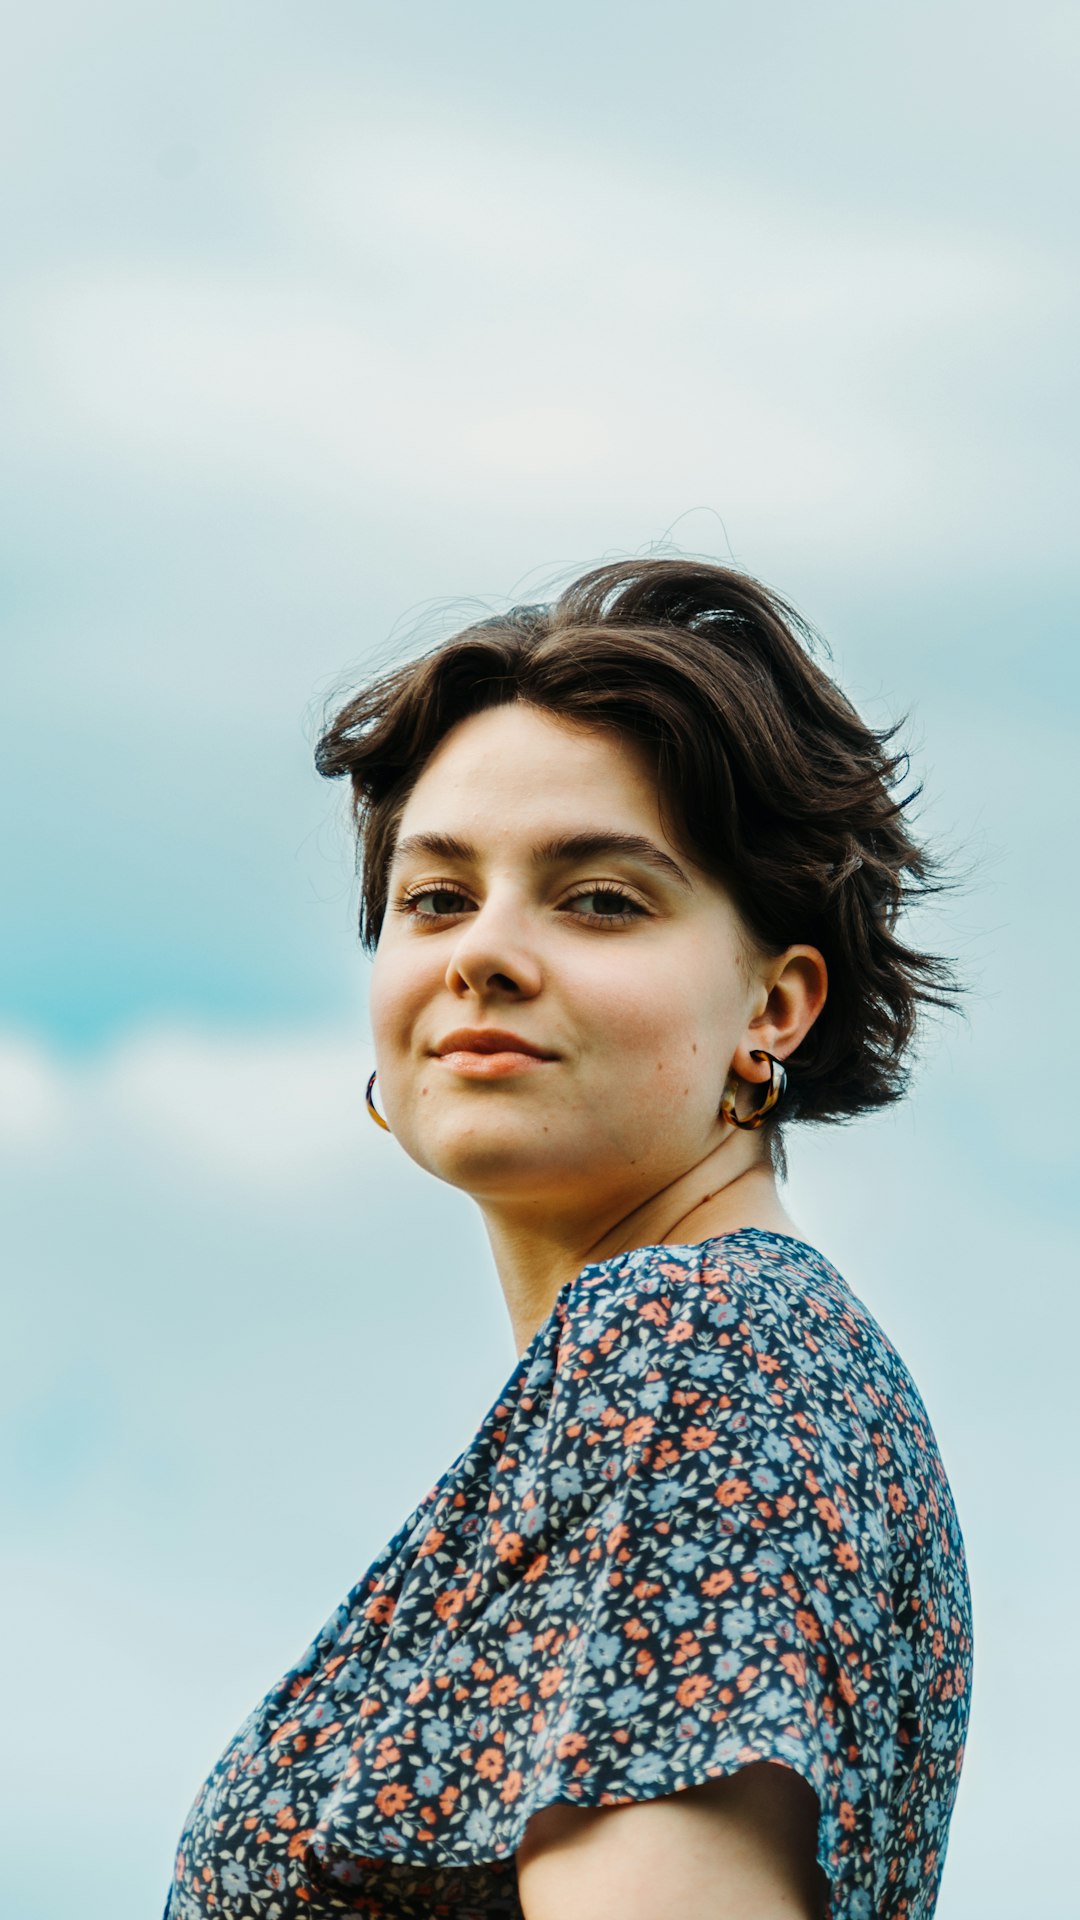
(489, 1040)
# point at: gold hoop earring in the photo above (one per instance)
(777, 1083)
(373, 1109)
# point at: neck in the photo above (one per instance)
(535, 1256)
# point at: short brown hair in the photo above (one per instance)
(768, 779)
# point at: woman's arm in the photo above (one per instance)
(740, 1848)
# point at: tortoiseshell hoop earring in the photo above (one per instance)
(777, 1083)
(372, 1108)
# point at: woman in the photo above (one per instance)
(686, 1628)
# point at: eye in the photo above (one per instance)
(410, 902)
(617, 905)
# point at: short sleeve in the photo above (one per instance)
(683, 1569)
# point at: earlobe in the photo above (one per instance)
(777, 1083)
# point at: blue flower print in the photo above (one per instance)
(681, 1608)
(566, 1482)
(684, 1557)
(604, 1649)
(626, 1702)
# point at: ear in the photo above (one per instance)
(794, 988)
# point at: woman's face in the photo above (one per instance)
(621, 963)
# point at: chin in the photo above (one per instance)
(486, 1158)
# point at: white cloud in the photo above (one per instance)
(272, 1111)
(275, 1113)
(35, 1094)
(480, 321)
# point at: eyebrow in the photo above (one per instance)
(561, 848)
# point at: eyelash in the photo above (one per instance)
(407, 904)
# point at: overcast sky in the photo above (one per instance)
(320, 327)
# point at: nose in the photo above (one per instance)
(494, 954)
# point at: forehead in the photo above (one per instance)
(519, 764)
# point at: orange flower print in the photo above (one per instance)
(393, 1798)
(692, 1689)
(730, 1492)
(381, 1609)
(687, 1647)
(570, 1744)
(644, 1589)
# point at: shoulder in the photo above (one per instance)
(740, 1305)
(740, 1371)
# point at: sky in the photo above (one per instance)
(321, 331)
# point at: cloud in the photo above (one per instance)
(270, 1112)
(478, 313)
(34, 1094)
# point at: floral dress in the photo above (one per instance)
(705, 1523)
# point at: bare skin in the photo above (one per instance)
(740, 1848)
(640, 984)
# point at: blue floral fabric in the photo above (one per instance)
(705, 1523)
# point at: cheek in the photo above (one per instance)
(398, 988)
(647, 1022)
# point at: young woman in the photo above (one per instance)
(686, 1628)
